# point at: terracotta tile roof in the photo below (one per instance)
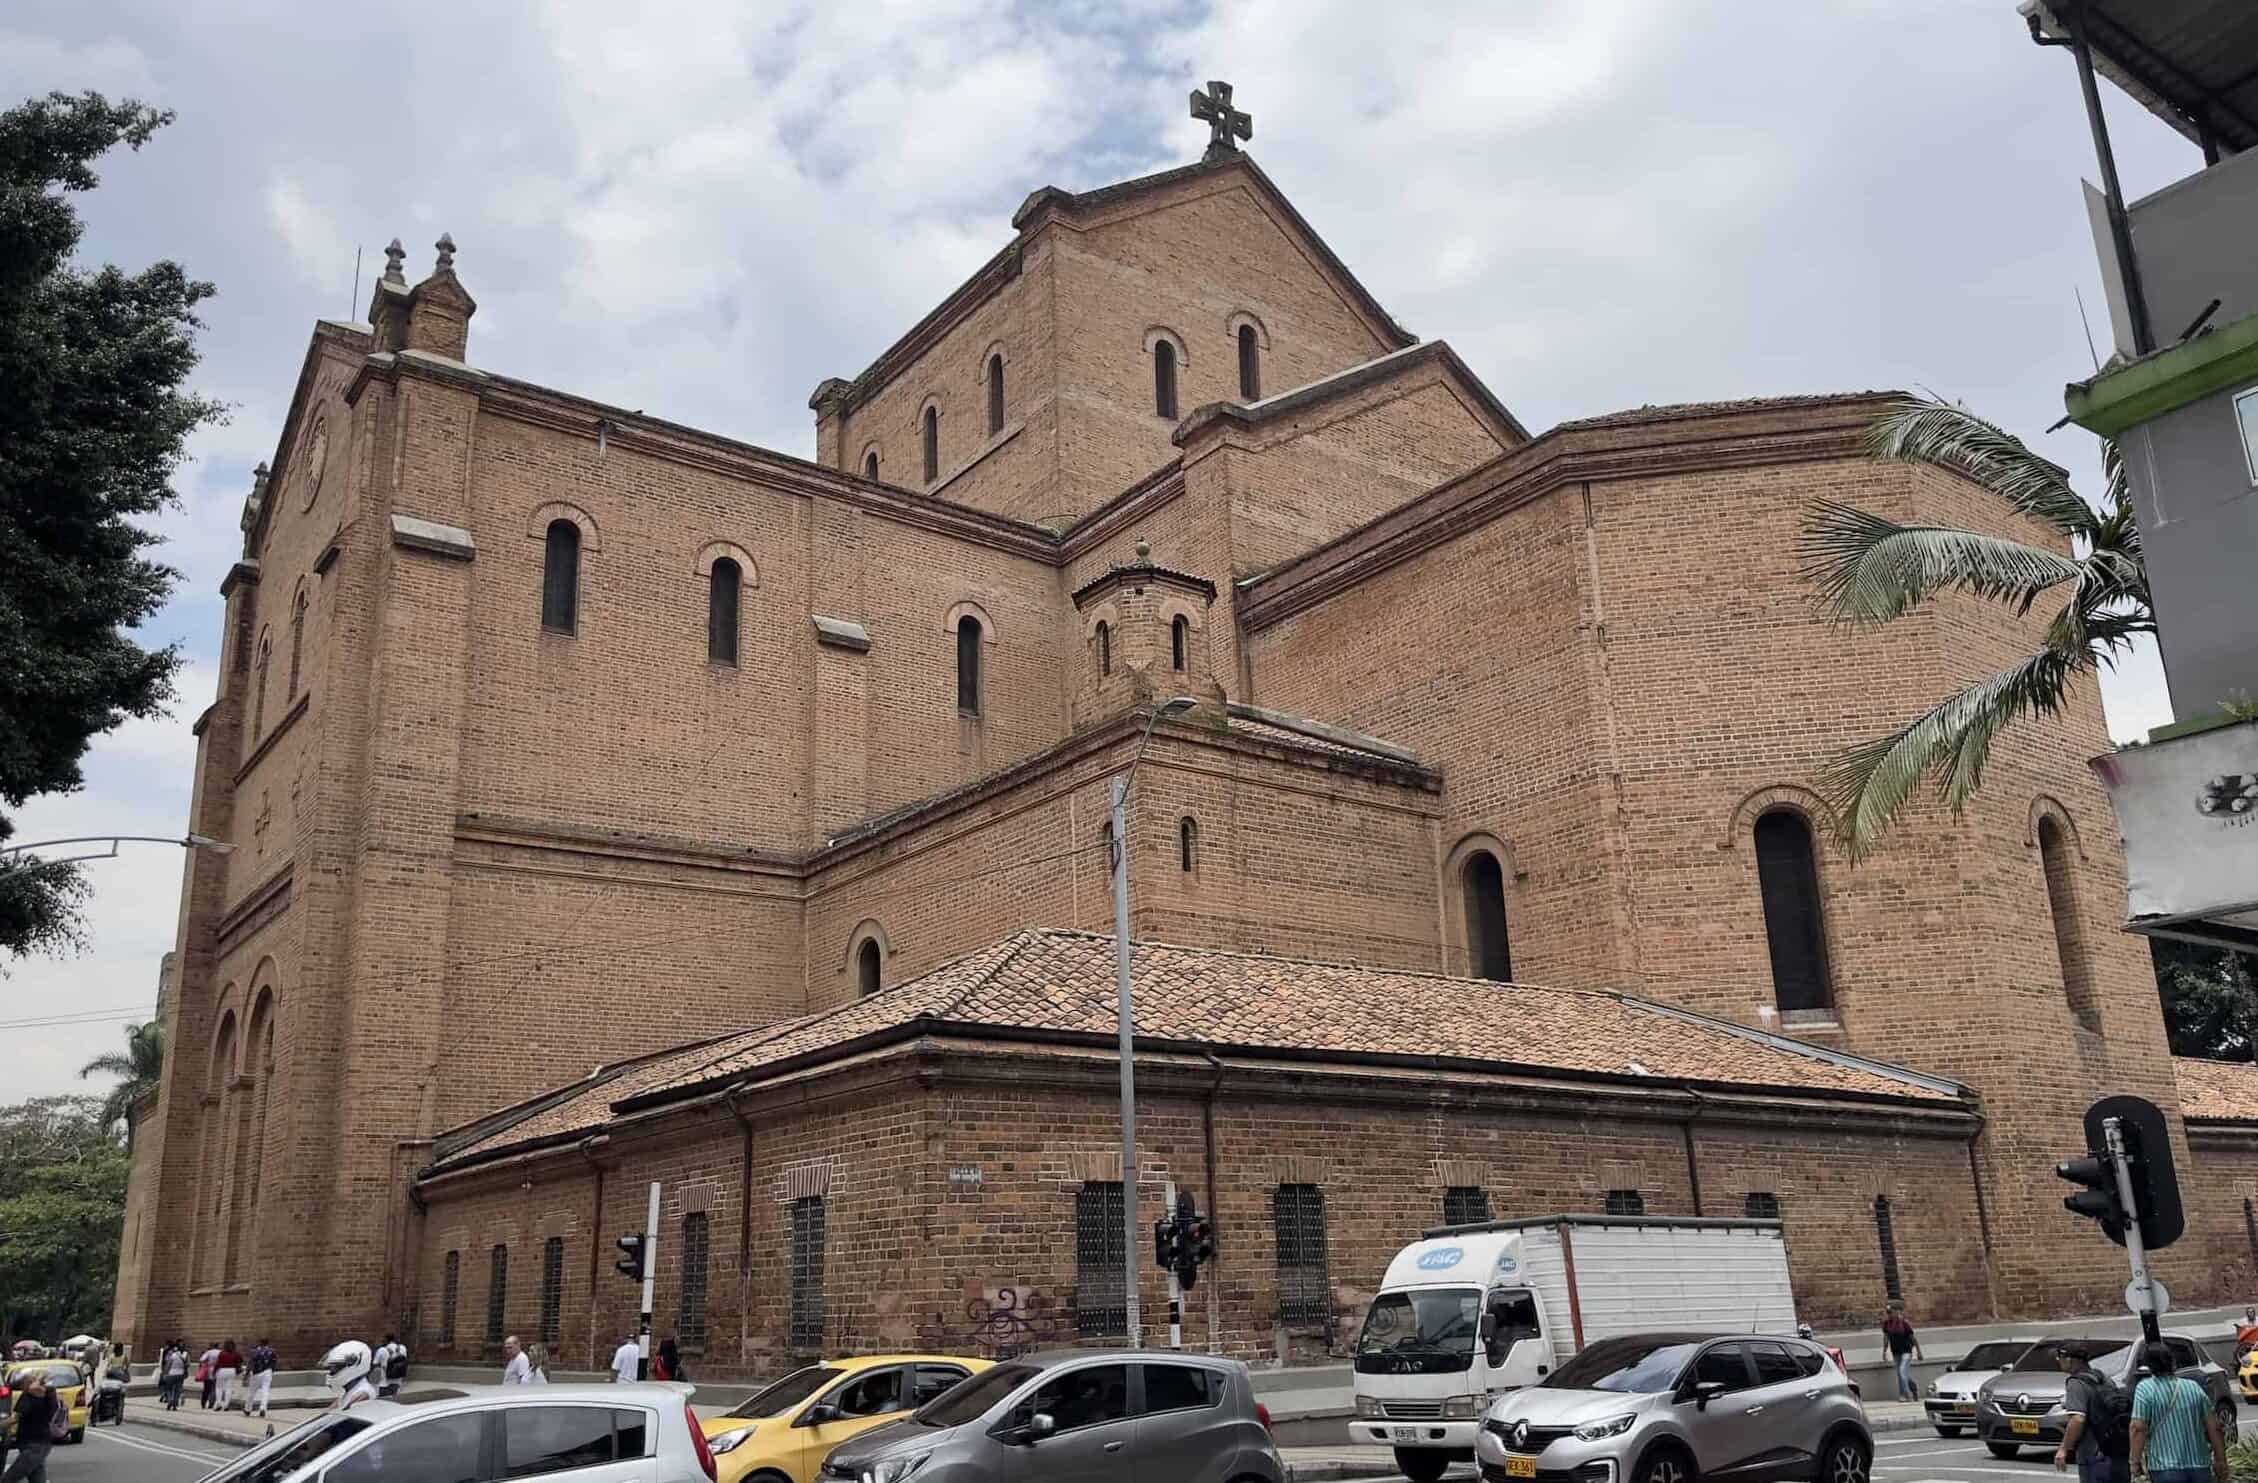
(1061, 983)
(2217, 1091)
(1667, 410)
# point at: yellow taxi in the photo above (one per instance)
(2246, 1374)
(783, 1434)
(65, 1379)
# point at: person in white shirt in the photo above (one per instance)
(519, 1371)
(626, 1360)
(347, 1367)
(539, 1358)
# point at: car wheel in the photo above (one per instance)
(77, 1436)
(1664, 1464)
(1844, 1459)
(1422, 1464)
(2003, 1449)
(2226, 1417)
(1948, 1431)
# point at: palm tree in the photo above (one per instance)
(138, 1067)
(1870, 570)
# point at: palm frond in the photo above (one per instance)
(109, 1063)
(1870, 569)
(1870, 784)
(1927, 430)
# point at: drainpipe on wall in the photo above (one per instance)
(744, 1224)
(1685, 1129)
(411, 1242)
(586, 1148)
(1983, 1215)
(1215, 1223)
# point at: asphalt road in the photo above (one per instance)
(136, 1454)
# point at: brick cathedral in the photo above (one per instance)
(616, 801)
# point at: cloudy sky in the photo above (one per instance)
(704, 208)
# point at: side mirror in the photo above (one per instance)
(819, 1415)
(1030, 1431)
(1705, 1391)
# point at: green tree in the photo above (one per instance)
(1870, 571)
(93, 424)
(138, 1066)
(2210, 998)
(62, 1211)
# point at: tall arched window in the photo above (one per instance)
(722, 587)
(297, 638)
(1787, 877)
(1164, 378)
(870, 465)
(251, 1160)
(1105, 648)
(995, 394)
(1180, 642)
(2059, 859)
(968, 665)
(932, 444)
(560, 578)
(1250, 365)
(866, 967)
(1188, 842)
(1488, 952)
(259, 693)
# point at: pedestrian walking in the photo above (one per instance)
(262, 1378)
(627, 1361)
(172, 1374)
(519, 1369)
(230, 1365)
(2176, 1436)
(208, 1373)
(1904, 1348)
(537, 1360)
(2098, 1435)
(2246, 1332)
(40, 1418)
(389, 1367)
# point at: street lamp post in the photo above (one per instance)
(186, 842)
(1120, 863)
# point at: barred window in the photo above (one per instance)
(1099, 1305)
(1305, 1290)
(450, 1290)
(552, 1288)
(807, 1273)
(497, 1294)
(691, 1324)
(1761, 1205)
(1625, 1202)
(1885, 1235)
(1465, 1205)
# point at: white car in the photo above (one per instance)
(1951, 1401)
(601, 1433)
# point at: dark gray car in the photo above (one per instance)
(1077, 1416)
(2022, 1407)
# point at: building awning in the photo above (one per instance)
(2192, 63)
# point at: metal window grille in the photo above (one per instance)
(1100, 1306)
(450, 1289)
(2250, 1230)
(1305, 1290)
(497, 1294)
(1625, 1202)
(1465, 1205)
(807, 1273)
(552, 1288)
(1760, 1205)
(691, 1324)
(1886, 1234)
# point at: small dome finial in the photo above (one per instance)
(446, 246)
(1144, 551)
(394, 256)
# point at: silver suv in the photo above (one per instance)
(1091, 1416)
(1669, 1408)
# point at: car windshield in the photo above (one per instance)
(1638, 1366)
(286, 1454)
(60, 1376)
(2000, 1354)
(1442, 1318)
(787, 1392)
(969, 1400)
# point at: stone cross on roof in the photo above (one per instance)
(1225, 124)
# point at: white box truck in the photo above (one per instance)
(1468, 1312)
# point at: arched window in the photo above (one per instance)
(1250, 365)
(866, 967)
(968, 665)
(259, 694)
(560, 578)
(722, 587)
(995, 394)
(297, 638)
(1188, 842)
(2059, 859)
(870, 465)
(1105, 648)
(1180, 642)
(1164, 378)
(1787, 877)
(1488, 952)
(932, 444)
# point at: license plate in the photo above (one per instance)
(2023, 1426)
(1403, 1433)
(1521, 1467)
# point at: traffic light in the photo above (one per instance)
(2098, 1200)
(1167, 1241)
(2148, 1159)
(630, 1263)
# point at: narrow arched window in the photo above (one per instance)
(932, 444)
(297, 638)
(1180, 642)
(1164, 378)
(259, 695)
(722, 586)
(870, 465)
(995, 394)
(560, 578)
(2069, 940)
(1488, 952)
(866, 967)
(1105, 648)
(1250, 365)
(1787, 877)
(968, 665)
(1188, 843)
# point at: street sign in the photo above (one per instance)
(2156, 1285)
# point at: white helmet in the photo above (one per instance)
(347, 1364)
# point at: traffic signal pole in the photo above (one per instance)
(1175, 1285)
(650, 1272)
(2143, 1288)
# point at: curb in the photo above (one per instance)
(167, 1421)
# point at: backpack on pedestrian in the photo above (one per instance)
(2110, 1423)
(59, 1419)
(396, 1367)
